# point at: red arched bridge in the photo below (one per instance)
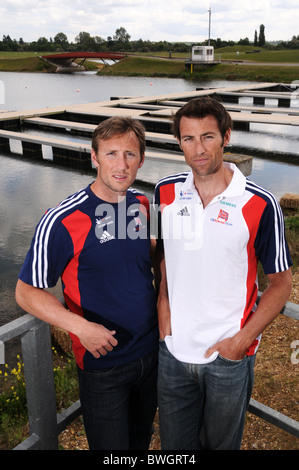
(65, 62)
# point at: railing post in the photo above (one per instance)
(40, 387)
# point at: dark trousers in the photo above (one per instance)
(119, 404)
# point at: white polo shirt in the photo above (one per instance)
(211, 258)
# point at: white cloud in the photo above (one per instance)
(154, 20)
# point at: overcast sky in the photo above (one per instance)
(154, 20)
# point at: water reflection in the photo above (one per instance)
(279, 178)
(273, 139)
(29, 90)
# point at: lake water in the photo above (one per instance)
(27, 90)
(27, 189)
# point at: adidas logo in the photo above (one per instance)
(184, 212)
(106, 237)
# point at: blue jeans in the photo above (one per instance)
(203, 406)
(119, 404)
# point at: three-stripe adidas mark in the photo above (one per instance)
(106, 237)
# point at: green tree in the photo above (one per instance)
(85, 41)
(42, 44)
(262, 39)
(61, 40)
(244, 42)
(121, 35)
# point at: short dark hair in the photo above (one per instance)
(117, 125)
(202, 107)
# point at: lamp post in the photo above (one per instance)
(209, 25)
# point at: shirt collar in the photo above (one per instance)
(237, 184)
(235, 188)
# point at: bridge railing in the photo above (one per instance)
(44, 423)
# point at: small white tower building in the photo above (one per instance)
(203, 54)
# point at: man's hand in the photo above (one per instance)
(42, 304)
(271, 303)
(97, 339)
(227, 348)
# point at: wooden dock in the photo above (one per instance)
(76, 123)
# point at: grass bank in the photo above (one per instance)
(248, 54)
(25, 64)
(133, 66)
(33, 64)
(241, 53)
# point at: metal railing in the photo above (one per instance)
(44, 423)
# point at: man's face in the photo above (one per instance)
(117, 161)
(202, 144)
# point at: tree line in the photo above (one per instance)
(121, 42)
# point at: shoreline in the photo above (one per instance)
(141, 66)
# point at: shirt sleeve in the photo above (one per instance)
(51, 249)
(270, 244)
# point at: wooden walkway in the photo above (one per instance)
(154, 111)
(158, 106)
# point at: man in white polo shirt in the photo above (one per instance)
(214, 226)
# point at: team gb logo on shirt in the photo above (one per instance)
(222, 218)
